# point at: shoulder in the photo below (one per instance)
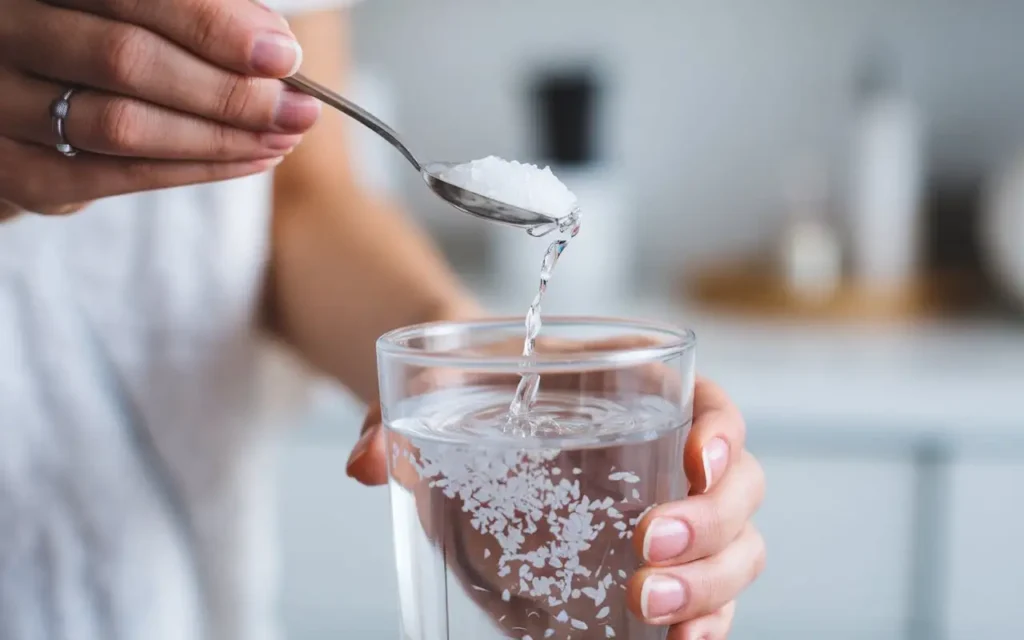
(295, 7)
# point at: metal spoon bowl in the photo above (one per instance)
(478, 205)
(462, 199)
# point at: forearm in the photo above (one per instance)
(337, 283)
(346, 266)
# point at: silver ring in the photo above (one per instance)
(58, 112)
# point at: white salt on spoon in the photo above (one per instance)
(509, 189)
(457, 183)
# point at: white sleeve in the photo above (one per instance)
(297, 7)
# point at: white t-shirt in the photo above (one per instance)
(136, 494)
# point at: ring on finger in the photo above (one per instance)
(59, 110)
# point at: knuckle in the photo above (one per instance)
(30, 190)
(741, 426)
(710, 529)
(32, 196)
(27, 184)
(727, 612)
(221, 142)
(692, 631)
(703, 589)
(760, 557)
(120, 124)
(210, 19)
(237, 98)
(126, 56)
(760, 481)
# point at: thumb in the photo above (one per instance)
(367, 463)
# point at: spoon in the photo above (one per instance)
(465, 200)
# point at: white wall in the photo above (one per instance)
(711, 97)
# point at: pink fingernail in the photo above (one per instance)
(296, 112)
(715, 456)
(358, 451)
(661, 596)
(270, 163)
(666, 538)
(280, 141)
(275, 54)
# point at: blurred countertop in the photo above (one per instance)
(961, 381)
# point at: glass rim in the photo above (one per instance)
(678, 340)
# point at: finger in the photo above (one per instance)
(235, 34)
(715, 626)
(716, 439)
(62, 209)
(701, 526)
(131, 61)
(8, 210)
(368, 463)
(670, 595)
(40, 179)
(113, 125)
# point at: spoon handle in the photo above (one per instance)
(372, 122)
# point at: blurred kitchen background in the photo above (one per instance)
(831, 193)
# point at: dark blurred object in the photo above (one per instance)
(953, 242)
(951, 229)
(566, 104)
(1001, 232)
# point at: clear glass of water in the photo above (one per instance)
(520, 524)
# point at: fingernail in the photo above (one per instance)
(275, 54)
(715, 456)
(269, 163)
(666, 538)
(295, 111)
(661, 596)
(359, 451)
(280, 141)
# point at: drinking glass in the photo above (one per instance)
(521, 525)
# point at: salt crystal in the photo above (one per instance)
(522, 185)
(624, 476)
